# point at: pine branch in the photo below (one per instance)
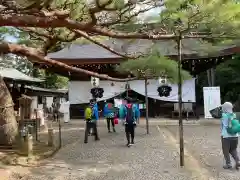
(16, 20)
(86, 36)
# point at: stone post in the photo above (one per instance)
(20, 142)
(50, 137)
(29, 144)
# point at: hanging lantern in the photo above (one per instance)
(162, 80)
(97, 92)
(163, 89)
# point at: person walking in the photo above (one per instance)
(229, 141)
(91, 116)
(109, 114)
(129, 113)
(96, 114)
(55, 106)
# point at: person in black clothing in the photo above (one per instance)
(130, 116)
(109, 114)
(56, 106)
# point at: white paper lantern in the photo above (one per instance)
(162, 80)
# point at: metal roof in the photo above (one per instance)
(11, 73)
(87, 51)
(165, 47)
(57, 91)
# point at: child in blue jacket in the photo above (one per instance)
(109, 114)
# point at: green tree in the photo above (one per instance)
(227, 77)
(153, 66)
(16, 62)
(24, 65)
(55, 81)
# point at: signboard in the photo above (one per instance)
(142, 106)
(212, 99)
(118, 103)
(95, 81)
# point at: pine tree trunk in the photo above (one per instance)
(8, 123)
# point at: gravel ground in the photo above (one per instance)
(204, 144)
(70, 133)
(109, 159)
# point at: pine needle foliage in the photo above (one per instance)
(153, 66)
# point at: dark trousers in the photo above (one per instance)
(229, 146)
(110, 120)
(91, 130)
(130, 131)
(90, 125)
(55, 116)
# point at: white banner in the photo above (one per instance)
(118, 103)
(212, 99)
(188, 90)
(79, 91)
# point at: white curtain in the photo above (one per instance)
(188, 90)
(49, 101)
(79, 91)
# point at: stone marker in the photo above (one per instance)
(50, 137)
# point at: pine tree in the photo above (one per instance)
(51, 24)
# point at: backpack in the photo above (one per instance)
(110, 106)
(130, 114)
(216, 112)
(88, 113)
(109, 110)
(233, 125)
(121, 112)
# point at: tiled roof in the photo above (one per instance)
(87, 51)
(57, 91)
(166, 48)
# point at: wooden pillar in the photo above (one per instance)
(213, 76)
(197, 94)
(146, 102)
(181, 140)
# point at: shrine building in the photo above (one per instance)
(196, 59)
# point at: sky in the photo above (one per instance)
(11, 39)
